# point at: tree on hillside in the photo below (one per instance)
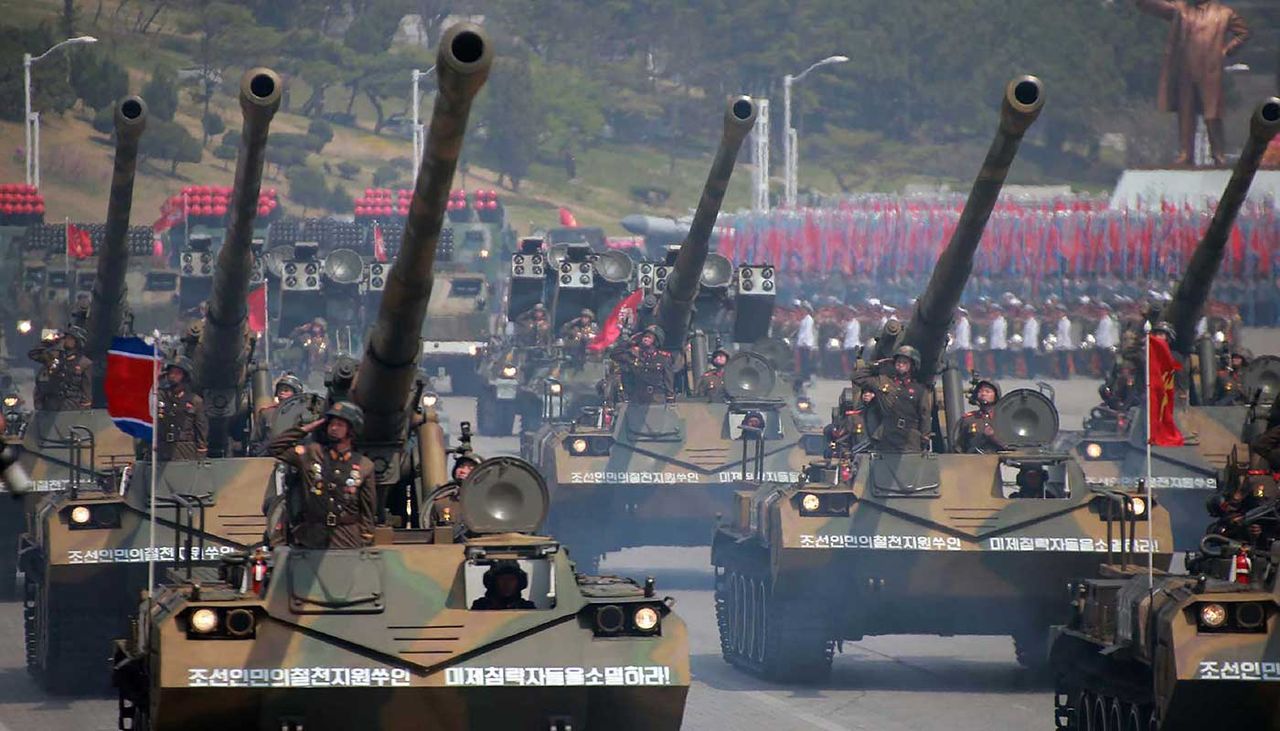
(511, 120)
(50, 92)
(212, 125)
(97, 79)
(161, 94)
(171, 142)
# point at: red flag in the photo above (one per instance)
(379, 246)
(1161, 393)
(612, 328)
(79, 245)
(258, 309)
(566, 218)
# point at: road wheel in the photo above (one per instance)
(1115, 715)
(1135, 716)
(1085, 712)
(1100, 714)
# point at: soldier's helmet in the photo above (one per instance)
(77, 332)
(505, 567)
(910, 353)
(349, 413)
(587, 313)
(182, 363)
(973, 393)
(1164, 326)
(654, 330)
(288, 380)
(719, 352)
(465, 458)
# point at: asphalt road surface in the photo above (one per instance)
(884, 683)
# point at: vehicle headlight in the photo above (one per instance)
(804, 404)
(833, 343)
(810, 503)
(429, 399)
(204, 621)
(484, 253)
(1137, 505)
(508, 371)
(10, 400)
(1213, 615)
(555, 389)
(472, 350)
(1219, 337)
(80, 515)
(578, 446)
(1093, 450)
(645, 619)
(24, 326)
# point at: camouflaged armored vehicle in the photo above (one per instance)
(1165, 651)
(86, 551)
(936, 542)
(66, 449)
(1112, 448)
(405, 631)
(644, 470)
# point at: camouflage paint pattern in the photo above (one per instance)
(454, 666)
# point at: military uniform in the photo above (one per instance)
(65, 382)
(646, 373)
(335, 496)
(976, 432)
(846, 434)
(1121, 391)
(904, 406)
(1228, 389)
(183, 428)
(532, 330)
(711, 382)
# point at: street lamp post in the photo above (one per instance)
(418, 140)
(30, 121)
(789, 135)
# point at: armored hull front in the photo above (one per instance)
(385, 638)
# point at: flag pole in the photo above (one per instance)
(1150, 493)
(155, 426)
(266, 323)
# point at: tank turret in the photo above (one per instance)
(221, 354)
(385, 377)
(931, 319)
(675, 307)
(1193, 289)
(106, 314)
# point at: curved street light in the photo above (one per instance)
(30, 123)
(789, 166)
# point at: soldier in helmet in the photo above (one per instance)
(287, 386)
(1229, 385)
(711, 382)
(903, 403)
(532, 326)
(580, 330)
(504, 587)
(65, 379)
(848, 433)
(183, 428)
(333, 503)
(446, 500)
(647, 371)
(976, 432)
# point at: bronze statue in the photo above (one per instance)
(1202, 34)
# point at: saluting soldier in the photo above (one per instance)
(976, 432)
(65, 379)
(1228, 390)
(446, 500)
(903, 403)
(711, 382)
(647, 370)
(848, 431)
(287, 386)
(580, 329)
(183, 427)
(334, 500)
(532, 326)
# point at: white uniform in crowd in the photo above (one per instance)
(1031, 332)
(1065, 341)
(999, 339)
(852, 334)
(1108, 332)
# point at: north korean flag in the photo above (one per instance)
(132, 369)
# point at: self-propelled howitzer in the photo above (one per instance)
(220, 355)
(1193, 289)
(927, 330)
(676, 305)
(386, 374)
(106, 314)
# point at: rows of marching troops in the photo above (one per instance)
(1052, 338)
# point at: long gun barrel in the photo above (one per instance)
(927, 330)
(1193, 289)
(385, 377)
(676, 305)
(220, 355)
(106, 312)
